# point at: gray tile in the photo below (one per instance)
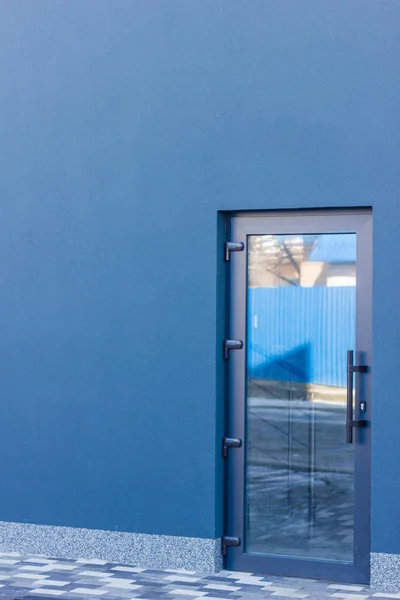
(160, 585)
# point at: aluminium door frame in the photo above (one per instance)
(357, 221)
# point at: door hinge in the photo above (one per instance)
(227, 542)
(232, 247)
(230, 443)
(231, 345)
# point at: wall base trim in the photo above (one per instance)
(385, 572)
(138, 549)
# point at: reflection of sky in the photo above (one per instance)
(334, 248)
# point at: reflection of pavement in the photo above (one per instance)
(299, 479)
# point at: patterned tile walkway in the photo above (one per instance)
(40, 577)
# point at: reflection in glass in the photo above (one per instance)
(301, 322)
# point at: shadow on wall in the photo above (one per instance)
(294, 366)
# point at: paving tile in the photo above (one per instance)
(19, 584)
(128, 569)
(249, 580)
(122, 585)
(88, 592)
(129, 575)
(36, 577)
(349, 596)
(284, 592)
(346, 588)
(47, 592)
(88, 582)
(39, 560)
(90, 561)
(32, 576)
(60, 568)
(182, 578)
(51, 582)
(150, 595)
(36, 568)
(110, 580)
(221, 586)
(192, 593)
(301, 581)
(98, 574)
(181, 571)
(213, 598)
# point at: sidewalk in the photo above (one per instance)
(38, 577)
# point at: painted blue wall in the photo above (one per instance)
(125, 126)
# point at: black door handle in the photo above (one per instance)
(350, 422)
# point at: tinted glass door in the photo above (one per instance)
(299, 301)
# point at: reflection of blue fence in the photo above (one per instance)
(301, 334)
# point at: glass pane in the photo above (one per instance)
(301, 322)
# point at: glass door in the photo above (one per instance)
(299, 484)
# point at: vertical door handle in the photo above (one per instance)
(350, 422)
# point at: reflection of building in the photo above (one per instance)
(306, 261)
(296, 332)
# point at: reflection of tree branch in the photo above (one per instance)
(290, 281)
(290, 257)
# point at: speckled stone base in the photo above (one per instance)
(142, 550)
(385, 572)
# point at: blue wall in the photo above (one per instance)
(125, 126)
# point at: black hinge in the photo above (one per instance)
(233, 247)
(231, 345)
(228, 541)
(230, 443)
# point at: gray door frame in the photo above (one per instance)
(357, 221)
